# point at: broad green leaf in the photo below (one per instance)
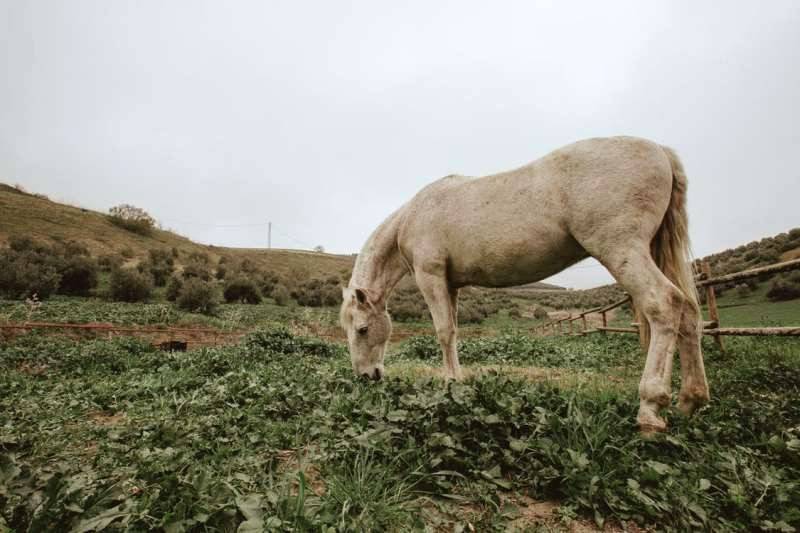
(659, 468)
(102, 520)
(517, 445)
(396, 415)
(250, 506)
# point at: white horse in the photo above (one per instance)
(621, 200)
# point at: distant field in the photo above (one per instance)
(756, 310)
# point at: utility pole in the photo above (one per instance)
(269, 235)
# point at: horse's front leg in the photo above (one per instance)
(440, 299)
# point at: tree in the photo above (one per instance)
(132, 218)
(319, 248)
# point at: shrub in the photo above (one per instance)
(221, 273)
(160, 255)
(133, 219)
(23, 274)
(174, 286)
(319, 293)
(78, 276)
(72, 248)
(128, 285)
(471, 312)
(195, 269)
(407, 310)
(280, 294)
(26, 244)
(31, 267)
(540, 313)
(242, 289)
(269, 280)
(127, 252)
(743, 290)
(200, 257)
(160, 265)
(109, 262)
(248, 267)
(783, 289)
(198, 296)
(159, 272)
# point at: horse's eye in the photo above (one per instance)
(362, 330)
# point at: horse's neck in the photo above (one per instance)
(380, 265)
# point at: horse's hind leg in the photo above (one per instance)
(441, 300)
(694, 387)
(662, 304)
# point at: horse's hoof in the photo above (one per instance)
(688, 406)
(650, 423)
(648, 431)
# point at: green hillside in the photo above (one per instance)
(35, 216)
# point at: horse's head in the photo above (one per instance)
(367, 325)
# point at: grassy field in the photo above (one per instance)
(755, 310)
(275, 434)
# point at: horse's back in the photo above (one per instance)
(529, 223)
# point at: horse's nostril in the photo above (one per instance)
(365, 375)
(377, 375)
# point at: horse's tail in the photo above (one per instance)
(670, 246)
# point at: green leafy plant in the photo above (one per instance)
(275, 433)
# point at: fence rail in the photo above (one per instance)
(706, 282)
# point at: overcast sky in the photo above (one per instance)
(323, 117)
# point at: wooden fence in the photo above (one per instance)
(567, 325)
(705, 282)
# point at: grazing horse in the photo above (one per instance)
(621, 200)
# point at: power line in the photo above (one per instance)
(296, 241)
(253, 225)
(268, 225)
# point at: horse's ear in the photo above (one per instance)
(361, 296)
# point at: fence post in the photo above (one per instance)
(585, 327)
(711, 301)
(605, 321)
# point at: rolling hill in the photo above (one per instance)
(35, 216)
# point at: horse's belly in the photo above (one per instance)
(505, 262)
